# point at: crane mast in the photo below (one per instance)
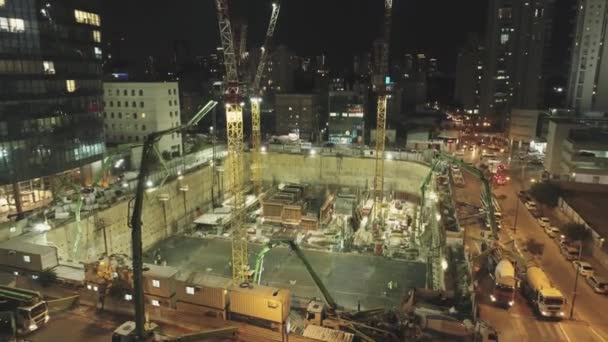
(256, 135)
(381, 114)
(234, 160)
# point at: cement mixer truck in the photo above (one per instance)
(505, 283)
(544, 297)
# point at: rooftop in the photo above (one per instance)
(159, 271)
(591, 207)
(208, 280)
(26, 247)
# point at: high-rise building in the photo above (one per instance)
(297, 113)
(136, 109)
(469, 71)
(588, 81)
(515, 42)
(284, 65)
(50, 103)
(346, 117)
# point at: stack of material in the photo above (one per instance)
(329, 335)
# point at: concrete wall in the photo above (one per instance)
(158, 224)
(345, 171)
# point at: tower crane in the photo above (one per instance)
(381, 113)
(256, 136)
(234, 128)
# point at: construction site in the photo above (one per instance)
(318, 243)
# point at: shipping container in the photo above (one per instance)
(292, 213)
(262, 302)
(159, 301)
(159, 280)
(19, 255)
(200, 310)
(272, 210)
(309, 223)
(202, 289)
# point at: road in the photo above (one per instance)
(81, 324)
(520, 322)
(351, 278)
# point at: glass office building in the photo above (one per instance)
(50, 89)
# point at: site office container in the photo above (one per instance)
(159, 301)
(272, 210)
(292, 213)
(202, 289)
(18, 255)
(267, 303)
(159, 280)
(200, 310)
(309, 223)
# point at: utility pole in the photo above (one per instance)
(580, 252)
(516, 214)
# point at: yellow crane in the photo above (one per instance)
(234, 160)
(381, 115)
(256, 135)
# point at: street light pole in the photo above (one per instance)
(580, 251)
(516, 214)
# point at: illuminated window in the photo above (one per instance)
(128, 297)
(83, 17)
(504, 13)
(12, 24)
(70, 85)
(190, 290)
(49, 67)
(155, 283)
(2, 3)
(155, 302)
(97, 52)
(143, 115)
(96, 35)
(27, 258)
(504, 38)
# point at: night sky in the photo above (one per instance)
(338, 28)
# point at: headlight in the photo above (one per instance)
(561, 313)
(544, 313)
(511, 303)
(33, 327)
(492, 298)
(47, 318)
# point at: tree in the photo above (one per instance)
(546, 193)
(576, 232)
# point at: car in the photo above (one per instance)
(552, 231)
(530, 205)
(569, 252)
(544, 221)
(584, 268)
(598, 284)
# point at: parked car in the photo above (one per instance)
(530, 205)
(552, 231)
(598, 284)
(569, 252)
(544, 221)
(584, 268)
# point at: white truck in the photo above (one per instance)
(504, 284)
(544, 297)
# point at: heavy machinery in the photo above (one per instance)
(136, 208)
(505, 283)
(29, 309)
(547, 300)
(256, 133)
(381, 114)
(330, 314)
(234, 160)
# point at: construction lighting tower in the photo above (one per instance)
(381, 113)
(234, 160)
(256, 135)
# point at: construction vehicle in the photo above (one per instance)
(547, 300)
(30, 310)
(504, 283)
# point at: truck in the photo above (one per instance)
(503, 293)
(547, 300)
(29, 308)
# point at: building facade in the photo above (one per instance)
(346, 117)
(133, 110)
(50, 76)
(515, 42)
(297, 113)
(469, 71)
(588, 80)
(585, 156)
